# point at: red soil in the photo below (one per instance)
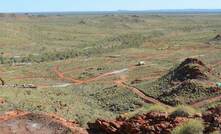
(149, 123)
(206, 101)
(76, 81)
(26, 122)
(139, 93)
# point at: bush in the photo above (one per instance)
(190, 127)
(215, 132)
(146, 109)
(1, 60)
(123, 101)
(183, 111)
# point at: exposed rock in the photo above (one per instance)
(136, 81)
(2, 101)
(189, 82)
(150, 123)
(156, 123)
(213, 119)
(191, 68)
(2, 82)
(217, 38)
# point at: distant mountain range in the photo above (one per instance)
(176, 10)
(173, 11)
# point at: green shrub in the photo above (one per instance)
(124, 101)
(190, 127)
(157, 108)
(183, 111)
(146, 109)
(215, 132)
(102, 46)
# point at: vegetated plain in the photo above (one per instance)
(78, 62)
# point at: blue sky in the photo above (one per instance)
(104, 5)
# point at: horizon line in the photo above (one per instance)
(119, 10)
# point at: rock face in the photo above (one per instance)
(150, 123)
(2, 82)
(136, 81)
(213, 119)
(156, 123)
(217, 38)
(189, 82)
(191, 69)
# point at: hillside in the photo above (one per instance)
(103, 66)
(186, 83)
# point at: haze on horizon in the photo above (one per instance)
(101, 5)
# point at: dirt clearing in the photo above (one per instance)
(30, 123)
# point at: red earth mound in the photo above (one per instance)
(191, 68)
(150, 123)
(192, 61)
(155, 123)
(217, 38)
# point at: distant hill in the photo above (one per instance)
(160, 11)
(186, 83)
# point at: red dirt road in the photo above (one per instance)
(61, 76)
(139, 93)
(206, 102)
(136, 91)
(216, 64)
(76, 81)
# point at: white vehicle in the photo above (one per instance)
(29, 86)
(141, 63)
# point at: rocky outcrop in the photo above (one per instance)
(217, 38)
(212, 118)
(2, 82)
(150, 123)
(191, 68)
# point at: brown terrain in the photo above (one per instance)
(29, 123)
(153, 122)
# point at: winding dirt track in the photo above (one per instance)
(139, 93)
(134, 90)
(216, 64)
(206, 101)
(76, 81)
